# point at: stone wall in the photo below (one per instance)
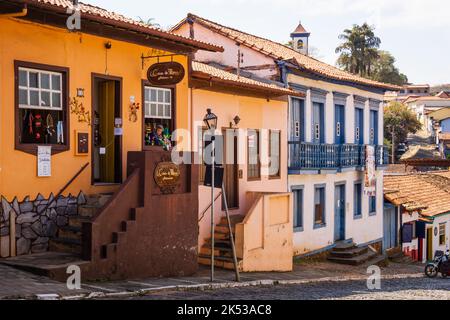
(36, 222)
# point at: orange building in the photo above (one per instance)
(76, 99)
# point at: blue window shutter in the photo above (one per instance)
(297, 119)
(339, 124)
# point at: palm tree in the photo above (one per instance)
(359, 49)
(149, 22)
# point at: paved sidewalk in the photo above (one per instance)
(18, 284)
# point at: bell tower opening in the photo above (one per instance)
(300, 39)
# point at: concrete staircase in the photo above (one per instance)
(68, 239)
(347, 252)
(223, 252)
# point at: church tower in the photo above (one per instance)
(300, 39)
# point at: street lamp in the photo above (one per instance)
(210, 120)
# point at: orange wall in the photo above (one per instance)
(255, 113)
(83, 54)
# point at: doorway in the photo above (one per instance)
(429, 244)
(231, 166)
(389, 227)
(339, 213)
(106, 130)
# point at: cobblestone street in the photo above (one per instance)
(395, 289)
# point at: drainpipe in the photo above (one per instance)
(22, 13)
(283, 72)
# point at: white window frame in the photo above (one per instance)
(164, 104)
(39, 89)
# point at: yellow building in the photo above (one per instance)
(74, 88)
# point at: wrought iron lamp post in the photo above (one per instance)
(210, 120)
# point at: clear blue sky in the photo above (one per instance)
(416, 32)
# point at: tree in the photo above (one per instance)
(384, 70)
(399, 121)
(359, 50)
(360, 54)
(149, 22)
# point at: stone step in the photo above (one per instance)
(354, 261)
(77, 221)
(65, 245)
(218, 252)
(220, 262)
(219, 242)
(353, 252)
(88, 210)
(99, 199)
(394, 252)
(343, 246)
(69, 232)
(234, 219)
(48, 264)
(379, 260)
(223, 228)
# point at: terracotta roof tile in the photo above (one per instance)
(213, 72)
(430, 191)
(282, 52)
(91, 10)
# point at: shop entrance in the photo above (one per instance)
(106, 130)
(231, 166)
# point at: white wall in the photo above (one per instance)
(230, 56)
(363, 230)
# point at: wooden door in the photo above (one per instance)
(231, 166)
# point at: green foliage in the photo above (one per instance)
(360, 54)
(150, 22)
(399, 121)
(384, 70)
(359, 49)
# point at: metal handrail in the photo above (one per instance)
(209, 206)
(66, 186)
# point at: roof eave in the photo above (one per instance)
(194, 44)
(265, 91)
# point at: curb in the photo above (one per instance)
(228, 285)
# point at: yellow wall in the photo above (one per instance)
(83, 54)
(264, 238)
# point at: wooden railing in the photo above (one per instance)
(311, 156)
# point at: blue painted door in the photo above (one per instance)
(359, 126)
(374, 127)
(297, 120)
(339, 124)
(339, 213)
(389, 228)
(318, 134)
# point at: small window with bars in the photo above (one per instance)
(338, 129)
(358, 134)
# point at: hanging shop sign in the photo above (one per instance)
(370, 174)
(167, 176)
(44, 161)
(165, 73)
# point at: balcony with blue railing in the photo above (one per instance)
(322, 157)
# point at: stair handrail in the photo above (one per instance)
(66, 186)
(209, 206)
